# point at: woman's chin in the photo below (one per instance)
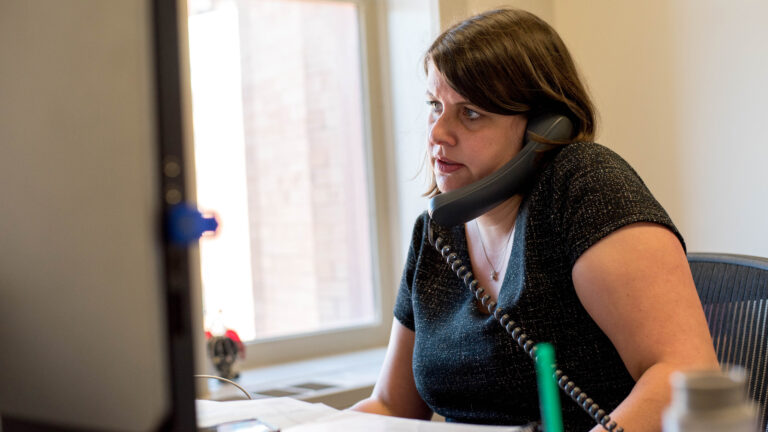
(448, 186)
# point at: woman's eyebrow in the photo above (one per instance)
(460, 102)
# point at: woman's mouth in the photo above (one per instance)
(445, 166)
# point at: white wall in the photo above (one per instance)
(412, 25)
(681, 91)
(722, 59)
(681, 87)
(452, 11)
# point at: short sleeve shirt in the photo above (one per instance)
(466, 367)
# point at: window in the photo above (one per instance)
(283, 155)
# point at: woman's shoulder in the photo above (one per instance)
(582, 159)
(420, 233)
(586, 155)
(422, 222)
(588, 191)
(424, 230)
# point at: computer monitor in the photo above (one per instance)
(95, 323)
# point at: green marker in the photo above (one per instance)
(549, 396)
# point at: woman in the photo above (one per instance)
(585, 259)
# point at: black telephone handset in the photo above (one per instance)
(466, 203)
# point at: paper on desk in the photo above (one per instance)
(282, 412)
(357, 421)
(292, 415)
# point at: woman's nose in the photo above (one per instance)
(441, 131)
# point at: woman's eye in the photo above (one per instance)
(434, 105)
(471, 114)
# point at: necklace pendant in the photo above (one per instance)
(494, 275)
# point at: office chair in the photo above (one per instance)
(734, 292)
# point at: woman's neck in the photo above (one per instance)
(496, 224)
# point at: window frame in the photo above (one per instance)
(382, 210)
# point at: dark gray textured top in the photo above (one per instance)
(465, 365)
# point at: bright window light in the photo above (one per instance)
(281, 157)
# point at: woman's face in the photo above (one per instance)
(464, 142)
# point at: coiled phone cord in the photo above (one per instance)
(517, 333)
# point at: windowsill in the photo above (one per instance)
(337, 381)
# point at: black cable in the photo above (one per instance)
(226, 381)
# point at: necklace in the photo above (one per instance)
(494, 273)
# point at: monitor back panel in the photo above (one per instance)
(82, 322)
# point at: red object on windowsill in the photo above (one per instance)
(232, 335)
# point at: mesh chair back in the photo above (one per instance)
(734, 292)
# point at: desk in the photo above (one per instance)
(292, 415)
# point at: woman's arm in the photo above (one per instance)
(395, 392)
(636, 284)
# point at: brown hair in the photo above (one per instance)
(509, 61)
